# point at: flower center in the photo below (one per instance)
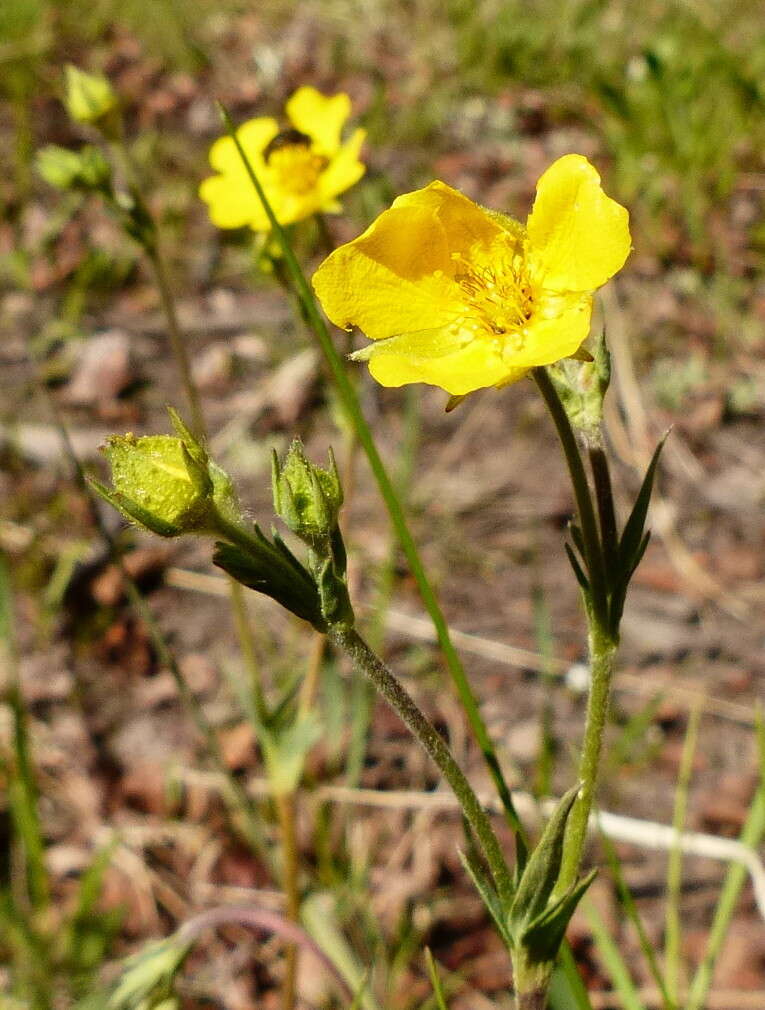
(498, 295)
(292, 164)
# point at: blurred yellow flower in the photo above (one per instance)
(302, 169)
(462, 297)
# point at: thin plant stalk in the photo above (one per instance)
(285, 808)
(602, 646)
(673, 928)
(364, 659)
(353, 410)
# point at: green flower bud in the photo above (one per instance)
(307, 497)
(85, 169)
(89, 98)
(582, 385)
(168, 483)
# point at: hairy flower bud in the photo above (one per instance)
(306, 497)
(168, 483)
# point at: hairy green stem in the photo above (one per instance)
(602, 651)
(351, 643)
(352, 407)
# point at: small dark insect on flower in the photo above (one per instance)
(286, 138)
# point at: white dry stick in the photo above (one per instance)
(617, 827)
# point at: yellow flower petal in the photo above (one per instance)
(392, 279)
(254, 136)
(344, 170)
(320, 117)
(232, 202)
(465, 224)
(438, 357)
(577, 236)
(555, 331)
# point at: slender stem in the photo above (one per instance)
(589, 527)
(350, 642)
(352, 407)
(285, 807)
(673, 960)
(602, 651)
(177, 342)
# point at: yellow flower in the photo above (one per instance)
(462, 297)
(302, 169)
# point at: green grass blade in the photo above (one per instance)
(612, 959)
(752, 835)
(352, 408)
(630, 908)
(435, 980)
(673, 928)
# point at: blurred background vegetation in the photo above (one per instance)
(667, 98)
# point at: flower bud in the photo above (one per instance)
(85, 169)
(168, 483)
(89, 98)
(307, 497)
(582, 386)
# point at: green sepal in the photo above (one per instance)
(541, 873)
(132, 511)
(542, 938)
